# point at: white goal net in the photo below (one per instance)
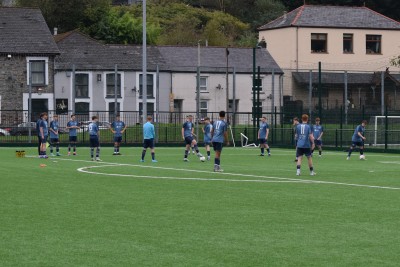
(379, 124)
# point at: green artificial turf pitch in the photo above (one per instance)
(120, 212)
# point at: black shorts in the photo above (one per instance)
(263, 141)
(117, 139)
(148, 143)
(72, 138)
(94, 141)
(300, 151)
(188, 140)
(207, 143)
(318, 142)
(54, 140)
(42, 140)
(360, 144)
(217, 146)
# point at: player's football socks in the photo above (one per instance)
(269, 152)
(153, 156)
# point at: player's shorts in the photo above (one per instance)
(300, 151)
(42, 140)
(117, 139)
(94, 141)
(318, 142)
(148, 143)
(188, 140)
(263, 141)
(207, 143)
(72, 138)
(354, 144)
(54, 140)
(217, 146)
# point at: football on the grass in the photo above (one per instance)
(362, 157)
(202, 159)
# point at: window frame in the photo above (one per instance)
(373, 41)
(119, 82)
(201, 109)
(88, 84)
(203, 88)
(45, 70)
(140, 81)
(348, 38)
(318, 35)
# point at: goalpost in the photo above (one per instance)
(244, 141)
(379, 127)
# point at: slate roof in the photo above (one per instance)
(89, 54)
(24, 31)
(333, 17)
(334, 78)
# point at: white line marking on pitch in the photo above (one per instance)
(241, 175)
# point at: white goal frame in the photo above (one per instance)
(376, 126)
(245, 144)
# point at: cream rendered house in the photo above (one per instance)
(352, 39)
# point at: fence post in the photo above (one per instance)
(386, 128)
(341, 126)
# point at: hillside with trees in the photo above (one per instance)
(180, 22)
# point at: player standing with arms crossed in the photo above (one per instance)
(358, 139)
(54, 136)
(94, 138)
(305, 143)
(118, 127)
(263, 133)
(219, 133)
(187, 135)
(149, 134)
(207, 136)
(318, 131)
(72, 126)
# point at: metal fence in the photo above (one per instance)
(382, 131)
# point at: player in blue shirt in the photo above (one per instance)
(118, 127)
(72, 126)
(358, 139)
(149, 134)
(305, 143)
(318, 131)
(207, 135)
(94, 133)
(43, 133)
(187, 135)
(219, 134)
(295, 123)
(54, 136)
(263, 133)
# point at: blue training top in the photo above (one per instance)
(317, 130)
(207, 132)
(303, 132)
(187, 126)
(93, 128)
(54, 126)
(263, 130)
(356, 137)
(72, 132)
(148, 131)
(220, 127)
(118, 126)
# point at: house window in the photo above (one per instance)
(38, 72)
(203, 84)
(82, 85)
(111, 108)
(319, 43)
(347, 43)
(111, 85)
(203, 109)
(82, 108)
(150, 108)
(373, 44)
(230, 105)
(150, 86)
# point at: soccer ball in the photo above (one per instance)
(362, 157)
(202, 159)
